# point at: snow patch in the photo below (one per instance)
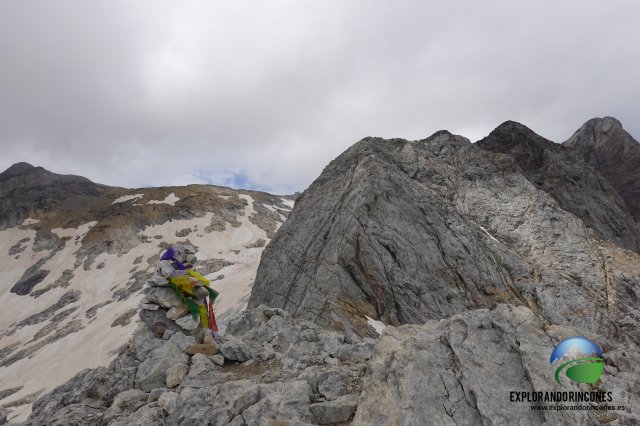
(491, 236)
(378, 326)
(170, 199)
(28, 221)
(78, 232)
(127, 198)
(288, 203)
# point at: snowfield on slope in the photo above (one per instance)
(48, 339)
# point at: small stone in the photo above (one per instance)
(155, 394)
(168, 333)
(217, 360)
(199, 364)
(309, 335)
(126, 402)
(181, 340)
(235, 350)
(149, 306)
(175, 374)
(269, 312)
(187, 322)
(335, 411)
(168, 401)
(207, 338)
(152, 372)
(268, 353)
(163, 296)
(177, 311)
(202, 348)
(333, 384)
(187, 393)
(332, 361)
(159, 328)
(158, 281)
(249, 363)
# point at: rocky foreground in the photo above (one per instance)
(267, 366)
(271, 369)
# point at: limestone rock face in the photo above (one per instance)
(462, 370)
(403, 232)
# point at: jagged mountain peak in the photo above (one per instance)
(20, 168)
(444, 136)
(605, 145)
(599, 126)
(606, 133)
(511, 126)
(28, 175)
(516, 137)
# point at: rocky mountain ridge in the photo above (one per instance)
(472, 260)
(403, 232)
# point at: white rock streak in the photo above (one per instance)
(491, 236)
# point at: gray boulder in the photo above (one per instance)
(187, 322)
(235, 350)
(175, 374)
(162, 296)
(337, 411)
(125, 403)
(200, 364)
(168, 401)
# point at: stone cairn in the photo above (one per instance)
(169, 319)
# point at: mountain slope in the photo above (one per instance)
(73, 268)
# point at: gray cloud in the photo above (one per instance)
(265, 95)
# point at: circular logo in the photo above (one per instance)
(579, 359)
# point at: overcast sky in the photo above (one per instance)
(264, 94)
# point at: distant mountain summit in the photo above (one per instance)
(27, 190)
(606, 146)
